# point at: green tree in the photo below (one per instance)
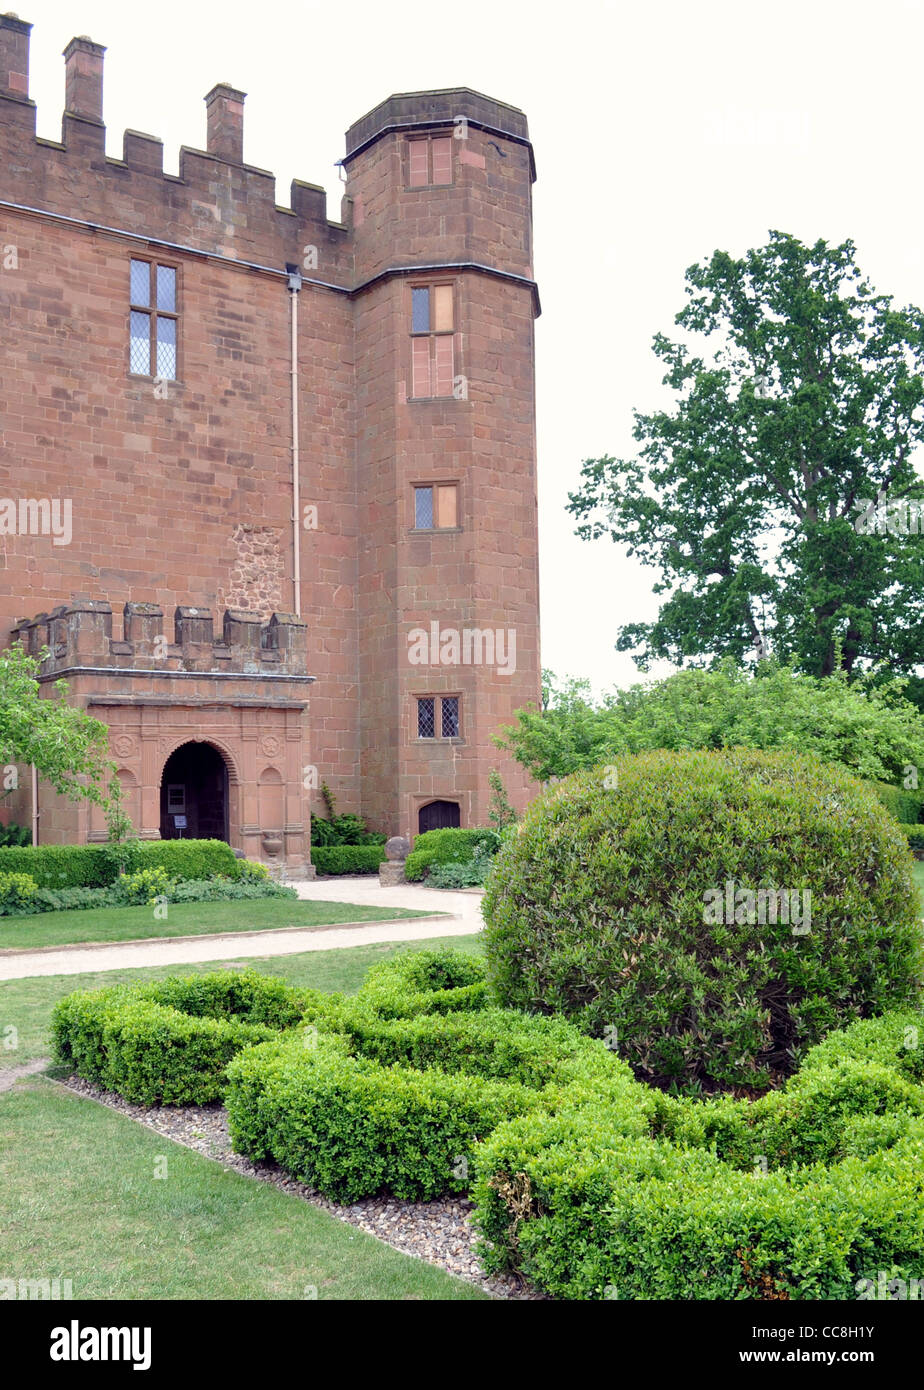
(569, 732)
(868, 727)
(754, 495)
(69, 749)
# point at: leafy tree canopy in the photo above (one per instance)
(866, 726)
(69, 749)
(756, 494)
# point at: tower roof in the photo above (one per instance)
(444, 107)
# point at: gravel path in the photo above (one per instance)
(438, 1231)
(463, 909)
(287, 941)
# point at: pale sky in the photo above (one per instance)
(661, 130)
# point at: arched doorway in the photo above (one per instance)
(194, 794)
(438, 815)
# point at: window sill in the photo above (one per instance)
(422, 400)
(438, 740)
(435, 530)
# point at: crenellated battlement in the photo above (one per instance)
(78, 637)
(218, 204)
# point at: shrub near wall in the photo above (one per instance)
(347, 859)
(449, 846)
(59, 866)
(184, 859)
(94, 866)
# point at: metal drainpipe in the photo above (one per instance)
(295, 284)
(35, 809)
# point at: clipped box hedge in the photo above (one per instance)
(60, 866)
(587, 1214)
(904, 804)
(806, 1194)
(96, 866)
(586, 1181)
(169, 1043)
(347, 859)
(424, 982)
(185, 859)
(915, 837)
(348, 1125)
(448, 846)
(394, 1087)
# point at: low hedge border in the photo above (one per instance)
(169, 1043)
(348, 1125)
(347, 859)
(424, 982)
(915, 836)
(806, 1193)
(905, 805)
(96, 866)
(396, 1086)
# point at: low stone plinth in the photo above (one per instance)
(391, 873)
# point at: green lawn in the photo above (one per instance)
(183, 919)
(26, 1004)
(918, 872)
(80, 1201)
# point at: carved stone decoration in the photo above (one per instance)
(124, 746)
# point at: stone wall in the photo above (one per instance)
(181, 492)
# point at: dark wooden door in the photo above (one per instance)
(438, 815)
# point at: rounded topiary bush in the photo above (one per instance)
(712, 914)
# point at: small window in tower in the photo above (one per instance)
(436, 507)
(423, 508)
(152, 320)
(449, 706)
(420, 310)
(438, 716)
(429, 160)
(441, 159)
(432, 350)
(426, 718)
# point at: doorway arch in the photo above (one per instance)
(438, 815)
(194, 794)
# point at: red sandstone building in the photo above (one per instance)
(269, 484)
